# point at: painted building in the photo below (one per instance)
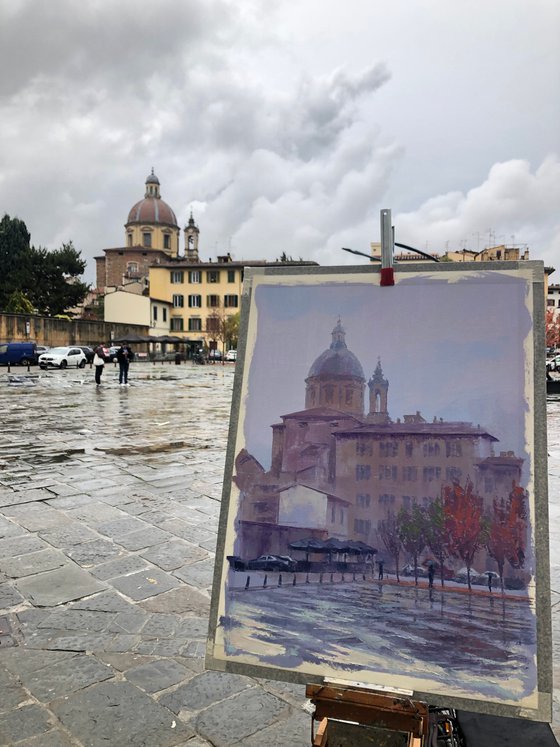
(356, 462)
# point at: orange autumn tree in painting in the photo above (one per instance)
(508, 530)
(465, 523)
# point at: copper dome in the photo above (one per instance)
(152, 210)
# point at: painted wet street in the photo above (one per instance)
(109, 505)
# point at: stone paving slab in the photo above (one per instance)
(65, 677)
(144, 584)
(59, 586)
(28, 721)
(130, 718)
(32, 563)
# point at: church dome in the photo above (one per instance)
(337, 360)
(152, 209)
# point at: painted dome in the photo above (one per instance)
(337, 360)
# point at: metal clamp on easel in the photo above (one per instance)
(387, 246)
(354, 715)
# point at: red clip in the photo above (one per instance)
(387, 276)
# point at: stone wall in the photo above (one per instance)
(47, 331)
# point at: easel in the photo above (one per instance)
(355, 715)
(351, 714)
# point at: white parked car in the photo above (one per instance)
(63, 357)
(231, 355)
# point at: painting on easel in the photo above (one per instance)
(384, 508)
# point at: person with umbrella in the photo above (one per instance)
(124, 356)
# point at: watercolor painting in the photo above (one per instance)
(381, 507)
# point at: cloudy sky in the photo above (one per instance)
(285, 126)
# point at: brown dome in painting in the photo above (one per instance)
(152, 210)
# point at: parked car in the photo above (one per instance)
(553, 364)
(39, 350)
(63, 357)
(272, 563)
(408, 570)
(231, 355)
(17, 353)
(215, 355)
(88, 352)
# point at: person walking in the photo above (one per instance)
(99, 363)
(431, 574)
(124, 356)
(380, 566)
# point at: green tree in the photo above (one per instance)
(412, 528)
(437, 533)
(390, 533)
(19, 303)
(49, 279)
(15, 258)
(232, 330)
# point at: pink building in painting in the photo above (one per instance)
(342, 464)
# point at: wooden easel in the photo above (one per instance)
(355, 715)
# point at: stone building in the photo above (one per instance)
(152, 235)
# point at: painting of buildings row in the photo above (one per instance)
(381, 518)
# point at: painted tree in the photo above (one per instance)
(552, 327)
(517, 519)
(465, 523)
(437, 533)
(507, 531)
(412, 528)
(389, 531)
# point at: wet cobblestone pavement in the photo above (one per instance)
(109, 506)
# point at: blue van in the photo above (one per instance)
(15, 353)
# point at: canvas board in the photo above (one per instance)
(384, 515)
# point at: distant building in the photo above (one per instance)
(151, 281)
(350, 463)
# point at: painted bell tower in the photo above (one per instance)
(378, 396)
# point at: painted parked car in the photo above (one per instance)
(63, 357)
(272, 563)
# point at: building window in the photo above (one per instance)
(176, 276)
(329, 393)
(155, 314)
(453, 448)
(213, 276)
(212, 324)
(453, 474)
(364, 448)
(431, 473)
(387, 473)
(362, 526)
(195, 276)
(129, 239)
(147, 239)
(166, 241)
(386, 499)
(488, 485)
(363, 472)
(231, 301)
(388, 449)
(164, 315)
(177, 323)
(410, 474)
(363, 500)
(195, 302)
(178, 301)
(407, 501)
(408, 448)
(212, 301)
(231, 276)
(431, 449)
(195, 324)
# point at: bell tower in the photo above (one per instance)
(378, 395)
(191, 240)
